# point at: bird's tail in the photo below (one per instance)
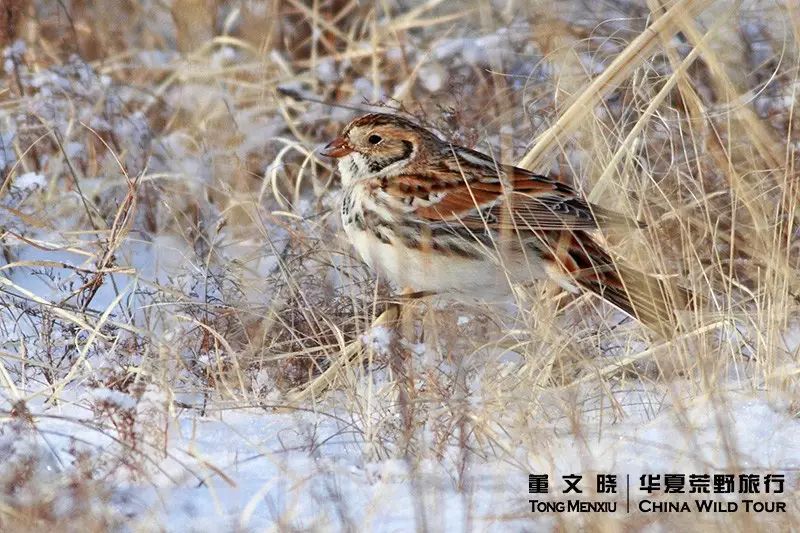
(652, 301)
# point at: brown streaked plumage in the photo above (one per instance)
(435, 217)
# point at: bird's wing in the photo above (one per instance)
(467, 187)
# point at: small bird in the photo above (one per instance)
(434, 217)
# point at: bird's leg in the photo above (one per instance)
(402, 364)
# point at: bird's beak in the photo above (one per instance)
(337, 148)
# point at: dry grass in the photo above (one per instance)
(182, 253)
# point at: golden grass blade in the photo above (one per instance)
(352, 354)
(94, 333)
(633, 55)
(757, 131)
(56, 310)
(599, 189)
(622, 362)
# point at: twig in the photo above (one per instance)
(352, 353)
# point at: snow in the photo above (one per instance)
(112, 398)
(379, 338)
(29, 181)
(222, 56)
(7, 155)
(305, 470)
(326, 71)
(484, 50)
(432, 77)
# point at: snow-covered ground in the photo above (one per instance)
(237, 468)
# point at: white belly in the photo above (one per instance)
(408, 268)
(484, 277)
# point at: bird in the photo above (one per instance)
(433, 217)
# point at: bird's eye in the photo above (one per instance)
(374, 139)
